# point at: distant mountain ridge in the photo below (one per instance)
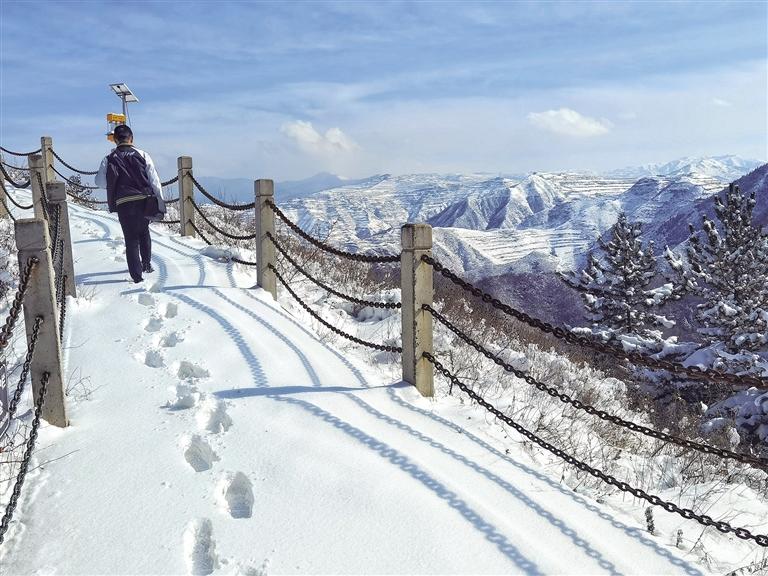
(727, 168)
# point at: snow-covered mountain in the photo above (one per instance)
(722, 167)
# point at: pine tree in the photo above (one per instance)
(615, 286)
(728, 270)
(76, 189)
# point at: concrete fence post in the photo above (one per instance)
(32, 240)
(186, 194)
(265, 223)
(35, 163)
(416, 284)
(46, 145)
(57, 196)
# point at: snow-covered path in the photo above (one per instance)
(215, 434)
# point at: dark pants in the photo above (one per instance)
(138, 244)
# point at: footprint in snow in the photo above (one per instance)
(146, 299)
(235, 494)
(212, 416)
(190, 370)
(171, 310)
(187, 396)
(170, 340)
(198, 453)
(200, 548)
(154, 359)
(154, 324)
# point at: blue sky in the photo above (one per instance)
(285, 90)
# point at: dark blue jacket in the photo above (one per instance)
(128, 175)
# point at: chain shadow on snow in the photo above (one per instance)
(635, 533)
(405, 464)
(382, 449)
(518, 494)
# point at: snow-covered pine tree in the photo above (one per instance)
(728, 270)
(75, 188)
(614, 286)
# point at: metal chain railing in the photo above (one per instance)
(355, 339)
(30, 446)
(389, 305)
(43, 198)
(12, 181)
(14, 403)
(13, 200)
(169, 182)
(71, 182)
(59, 158)
(328, 248)
(62, 310)
(686, 513)
(207, 240)
(216, 228)
(12, 153)
(568, 336)
(203, 237)
(19, 168)
(215, 200)
(578, 404)
(18, 300)
(88, 202)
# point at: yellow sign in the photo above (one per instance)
(113, 118)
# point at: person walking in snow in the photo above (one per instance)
(130, 178)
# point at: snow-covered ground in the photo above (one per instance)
(213, 432)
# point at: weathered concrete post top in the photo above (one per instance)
(186, 194)
(416, 284)
(46, 145)
(57, 195)
(265, 223)
(33, 241)
(35, 163)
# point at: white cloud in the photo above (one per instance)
(721, 102)
(310, 140)
(569, 122)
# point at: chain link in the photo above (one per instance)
(67, 180)
(62, 312)
(216, 228)
(328, 248)
(314, 314)
(14, 403)
(59, 158)
(389, 305)
(169, 182)
(12, 153)
(13, 314)
(16, 494)
(564, 334)
(215, 200)
(687, 513)
(578, 404)
(43, 198)
(12, 181)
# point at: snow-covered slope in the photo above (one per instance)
(212, 433)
